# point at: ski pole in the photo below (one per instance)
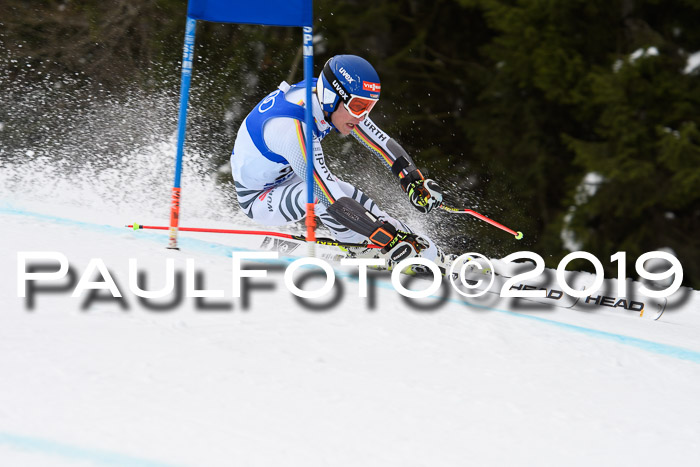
(518, 235)
(322, 241)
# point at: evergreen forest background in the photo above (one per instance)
(551, 116)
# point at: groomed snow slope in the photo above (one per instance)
(270, 381)
(371, 382)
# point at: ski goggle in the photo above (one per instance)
(358, 106)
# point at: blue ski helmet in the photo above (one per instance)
(344, 78)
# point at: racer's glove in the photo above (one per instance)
(405, 245)
(424, 194)
(398, 245)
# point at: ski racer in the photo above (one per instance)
(269, 165)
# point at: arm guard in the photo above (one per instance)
(355, 217)
(388, 151)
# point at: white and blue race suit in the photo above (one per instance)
(269, 165)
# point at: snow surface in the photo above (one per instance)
(692, 63)
(343, 381)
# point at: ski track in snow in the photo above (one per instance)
(281, 384)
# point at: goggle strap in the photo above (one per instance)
(330, 77)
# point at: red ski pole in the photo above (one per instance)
(518, 235)
(324, 241)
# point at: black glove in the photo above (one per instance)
(404, 245)
(424, 194)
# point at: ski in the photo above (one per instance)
(329, 249)
(503, 282)
(603, 300)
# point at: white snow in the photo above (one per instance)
(377, 381)
(584, 191)
(645, 52)
(635, 56)
(692, 63)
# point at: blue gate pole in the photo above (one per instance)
(187, 61)
(310, 125)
